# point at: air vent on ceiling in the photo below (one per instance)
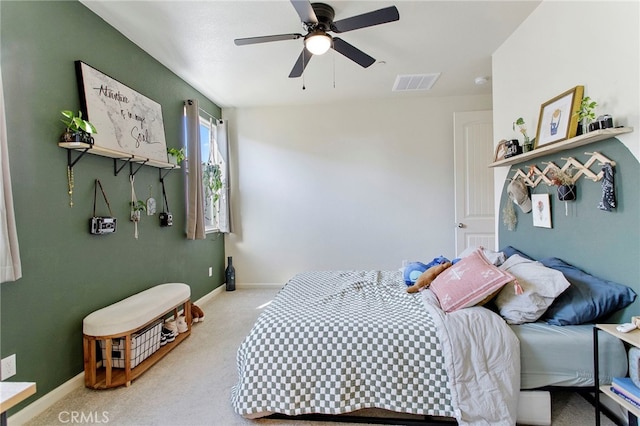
(406, 83)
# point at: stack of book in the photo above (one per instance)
(626, 389)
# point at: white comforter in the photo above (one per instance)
(482, 357)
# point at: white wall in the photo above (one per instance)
(348, 186)
(561, 45)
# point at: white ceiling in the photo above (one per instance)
(194, 39)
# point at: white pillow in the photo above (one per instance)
(540, 285)
(496, 258)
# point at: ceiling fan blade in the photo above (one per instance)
(353, 53)
(377, 17)
(301, 63)
(305, 11)
(265, 39)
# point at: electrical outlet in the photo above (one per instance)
(210, 271)
(8, 367)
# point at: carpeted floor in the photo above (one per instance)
(192, 384)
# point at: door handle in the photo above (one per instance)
(461, 225)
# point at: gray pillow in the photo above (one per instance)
(540, 286)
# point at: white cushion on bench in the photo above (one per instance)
(135, 311)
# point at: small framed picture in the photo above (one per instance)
(501, 150)
(558, 120)
(541, 210)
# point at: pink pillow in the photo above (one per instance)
(468, 282)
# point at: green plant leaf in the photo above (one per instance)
(76, 123)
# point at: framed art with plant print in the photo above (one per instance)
(558, 120)
(541, 210)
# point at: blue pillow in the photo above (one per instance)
(510, 251)
(587, 299)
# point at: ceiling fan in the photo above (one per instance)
(317, 21)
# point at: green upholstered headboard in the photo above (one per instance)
(604, 244)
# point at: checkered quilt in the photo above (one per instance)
(338, 341)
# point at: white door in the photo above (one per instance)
(474, 207)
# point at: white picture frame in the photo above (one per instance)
(541, 209)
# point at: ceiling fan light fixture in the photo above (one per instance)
(318, 42)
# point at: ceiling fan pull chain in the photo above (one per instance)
(303, 67)
(333, 57)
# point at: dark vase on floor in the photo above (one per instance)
(230, 275)
(567, 192)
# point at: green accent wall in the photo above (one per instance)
(68, 273)
(604, 244)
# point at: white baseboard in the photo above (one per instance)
(204, 299)
(44, 402)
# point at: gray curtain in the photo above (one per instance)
(195, 191)
(225, 205)
(10, 266)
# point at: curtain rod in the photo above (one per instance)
(215, 118)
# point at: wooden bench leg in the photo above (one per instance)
(90, 363)
(187, 313)
(127, 359)
(108, 362)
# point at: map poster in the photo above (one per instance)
(126, 120)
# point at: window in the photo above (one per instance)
(214, 172)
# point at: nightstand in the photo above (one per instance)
(11, 393)
(632, 338)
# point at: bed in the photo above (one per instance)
(336, 342)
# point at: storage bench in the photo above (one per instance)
(123, 319)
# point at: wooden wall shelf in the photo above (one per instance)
(591, 137)
(83, 148)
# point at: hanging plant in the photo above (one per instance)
(137, 207)
(212, 178)
(509, 217)
(563, 179)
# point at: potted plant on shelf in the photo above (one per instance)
(78, 129)
(176, 156)
(586, 114)
(563, 179)
(522, 127)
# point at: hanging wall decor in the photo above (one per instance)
(532, 175)
(541, 210)
(129, 122)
